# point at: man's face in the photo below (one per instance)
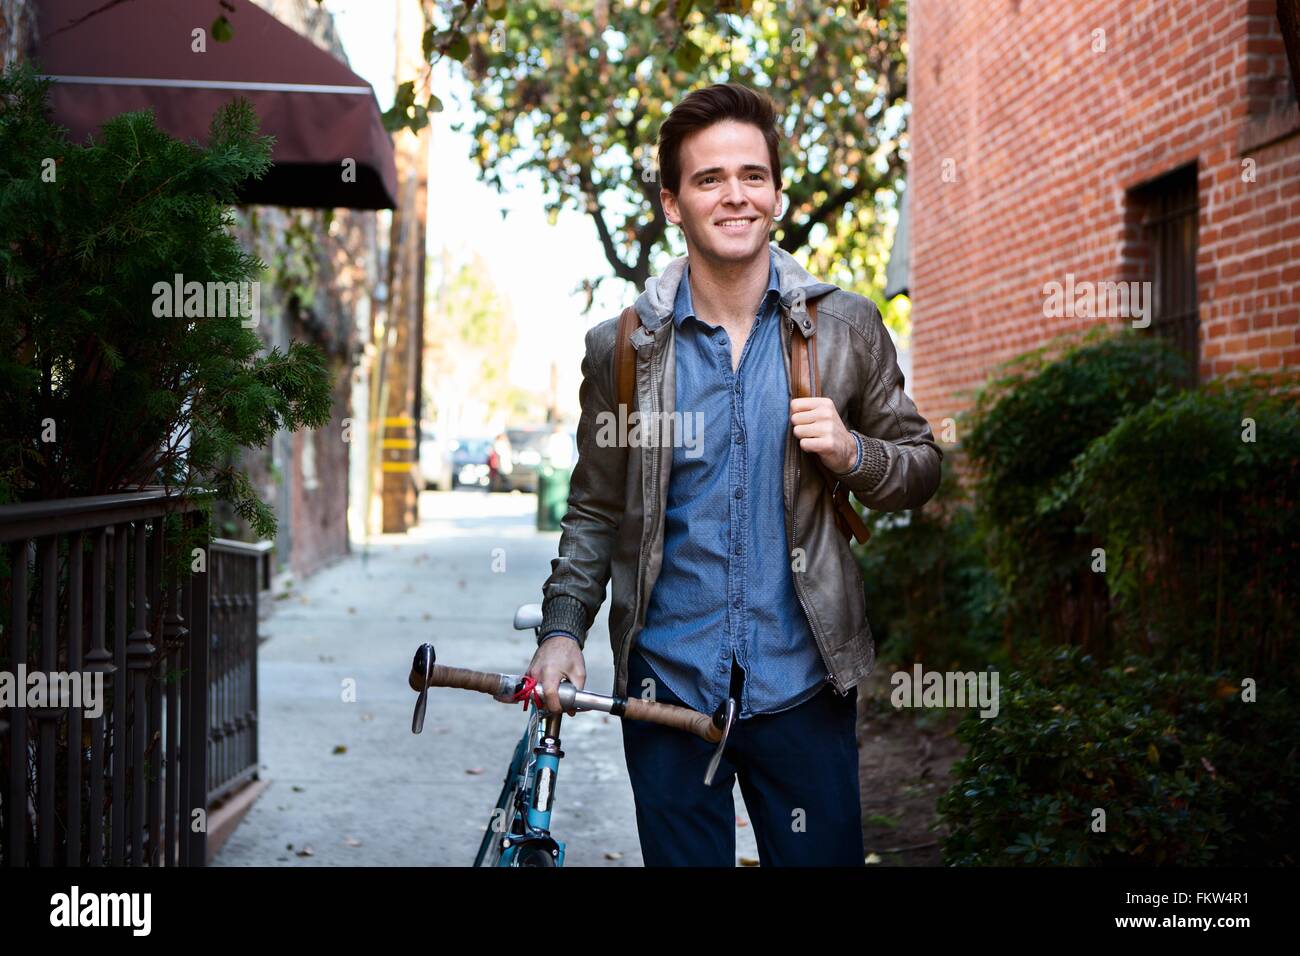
(726, 177)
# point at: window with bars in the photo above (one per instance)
(1167, 219)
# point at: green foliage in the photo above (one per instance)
(930, 594)
(575, 93)
(469, 328)
(1190, 495)
(1186, 771)
(134, 398)
(1201, 528)
(1022, 435)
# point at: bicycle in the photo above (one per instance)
(518, 833)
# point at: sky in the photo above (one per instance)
(534, 265)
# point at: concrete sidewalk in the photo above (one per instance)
(350, 785)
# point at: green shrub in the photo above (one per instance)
(1200, 526)
(930, 594)
(1022, 434)
(133, 398)
(1185, 770)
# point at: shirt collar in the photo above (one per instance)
(684, 306)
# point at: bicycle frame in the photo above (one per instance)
(518, 834)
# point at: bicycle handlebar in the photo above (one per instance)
(504, 687)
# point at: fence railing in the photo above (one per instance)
(95, 597)
(237, 576)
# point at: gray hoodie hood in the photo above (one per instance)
(655, 304)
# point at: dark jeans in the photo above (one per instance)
(798, 772)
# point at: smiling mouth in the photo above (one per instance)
(734, 225)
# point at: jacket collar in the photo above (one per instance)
(655, 304)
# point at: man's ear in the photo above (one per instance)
(779, 197)
(669, 202)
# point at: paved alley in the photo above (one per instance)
(350, 785)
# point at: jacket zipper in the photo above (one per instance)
(792, 535)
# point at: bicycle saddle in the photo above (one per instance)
(528, 616)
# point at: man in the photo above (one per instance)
(730, 575)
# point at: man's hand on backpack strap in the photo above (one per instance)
(820, 431)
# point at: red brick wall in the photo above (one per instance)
(1046, 137)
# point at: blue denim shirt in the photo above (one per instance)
(726, 587)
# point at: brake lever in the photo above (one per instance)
(424, 658)
(723, 718)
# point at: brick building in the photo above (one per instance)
(1081, 142)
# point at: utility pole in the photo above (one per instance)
(399, 461)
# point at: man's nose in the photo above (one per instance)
(735, 194)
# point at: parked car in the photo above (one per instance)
(435, 460)
(469, 462)
(527, 448)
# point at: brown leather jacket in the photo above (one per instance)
(614, 526)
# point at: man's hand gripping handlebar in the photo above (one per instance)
(507, 688)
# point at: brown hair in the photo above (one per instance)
(700, 110)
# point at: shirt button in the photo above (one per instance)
(741, 438)
(737, 549)
(739, 492)
(736, 603)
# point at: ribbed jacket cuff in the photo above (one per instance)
(564, 612)
(871, 466)
(857, 462)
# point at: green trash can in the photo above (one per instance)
(552, 496)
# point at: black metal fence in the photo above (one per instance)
(95, 592)
(237, 577)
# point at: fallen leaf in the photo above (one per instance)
(474, 770)
(297, 789)
(613, 855)
(340, 749)
(352, 841)
(426, 616)
(872, 858)
(741, 822)
(352, 610)
(306, 851)
(748, 861)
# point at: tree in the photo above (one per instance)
(102, 389)
(575, 92)
(470, 336)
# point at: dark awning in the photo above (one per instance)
(108, 58)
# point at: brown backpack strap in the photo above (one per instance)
(804, 384)
(625, 357)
